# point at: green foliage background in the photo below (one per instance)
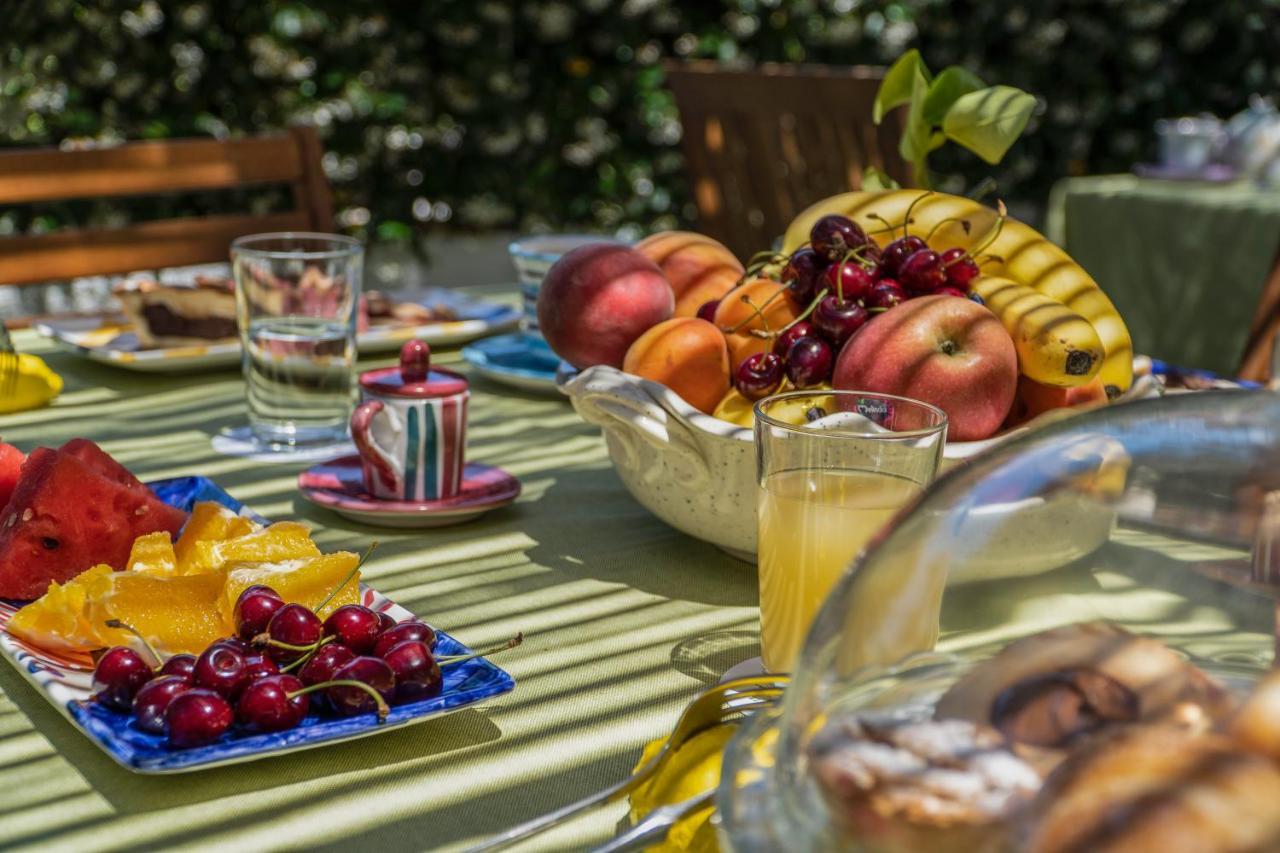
(484, 114)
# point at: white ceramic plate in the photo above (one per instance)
(112, 340)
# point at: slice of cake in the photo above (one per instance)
(168, 315)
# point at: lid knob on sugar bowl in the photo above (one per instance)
(414, 377)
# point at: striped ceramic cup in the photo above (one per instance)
(411, 428)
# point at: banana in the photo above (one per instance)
(1056, 346)
(1019, 253)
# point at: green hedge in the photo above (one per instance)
(551, 113)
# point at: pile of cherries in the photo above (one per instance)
(282, 662)
(838, 282)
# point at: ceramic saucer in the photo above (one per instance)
(521, 360)
(339, 485)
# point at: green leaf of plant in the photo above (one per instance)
(917, 135)
(874, 179)
(895, 88)
(988, 121)
(948, 87)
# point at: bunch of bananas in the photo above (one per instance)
(1065, 329)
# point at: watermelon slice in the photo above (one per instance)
(11, 459)
(65, 517)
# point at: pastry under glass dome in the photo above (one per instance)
(1175, 501)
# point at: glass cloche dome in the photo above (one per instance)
(1121, 564)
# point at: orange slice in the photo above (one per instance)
(284, 540)
(303, 581)
(209, 522)
(175, 614)
(153, 554)
(59, 620)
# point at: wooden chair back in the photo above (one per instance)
(1262, 349)
(761, 145)
(154, 168)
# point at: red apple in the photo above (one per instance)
(950, 352)
(597, 299)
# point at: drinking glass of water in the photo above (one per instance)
(834, 467)
(296, 305)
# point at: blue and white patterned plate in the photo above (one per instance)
(65, 681)
(112, 341)
(520, 360)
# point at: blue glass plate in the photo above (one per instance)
(520, 360)
(65, 681)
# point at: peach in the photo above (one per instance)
(1035, 398)
(950, 352)
(597, 299)
(758, 305)
(698, 268)
(687, 355)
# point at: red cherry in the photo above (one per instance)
(323, 663)
(960, 268)
(221, 668)
(923, 271)
(849, 278)
(197, 717)
(118, 676)
(348, 701)
(898, 251)
(886, 293)
(411, 629)
(184, 665)
(707, 310)
(834, 236)
(152, 701)
(802, 329)
(809, 362)
(416, 672)
(838, 319)
(386, 620)
(294, 625)
(802, 272)
(273, 704)
(254, 609)
(356, 627)
(759, 375)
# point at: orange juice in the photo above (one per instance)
(812, 524)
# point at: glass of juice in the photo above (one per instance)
(833, 468)
(297, 296)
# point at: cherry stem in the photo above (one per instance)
(995, 229)
(986, 259)
(756, 312)
(302, 661)
(911, 207)
(492, 650)
(803, 314)
(351, 574)
(151, 650)
(265, 639)
(964, 223)
(889, 226)
(757, 262)
(383, 710)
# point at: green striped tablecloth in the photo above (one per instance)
(625, 620)
(1185, 262)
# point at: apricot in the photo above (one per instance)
(1033, 399)
(687, 355)
(698, 268)
(760, 304)
(597, 299)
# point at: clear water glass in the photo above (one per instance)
(532, 257)
(297, 296)
(833, 468)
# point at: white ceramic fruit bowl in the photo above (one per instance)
(698, 473)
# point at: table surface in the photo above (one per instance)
(625, 620)
(1185, 262)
